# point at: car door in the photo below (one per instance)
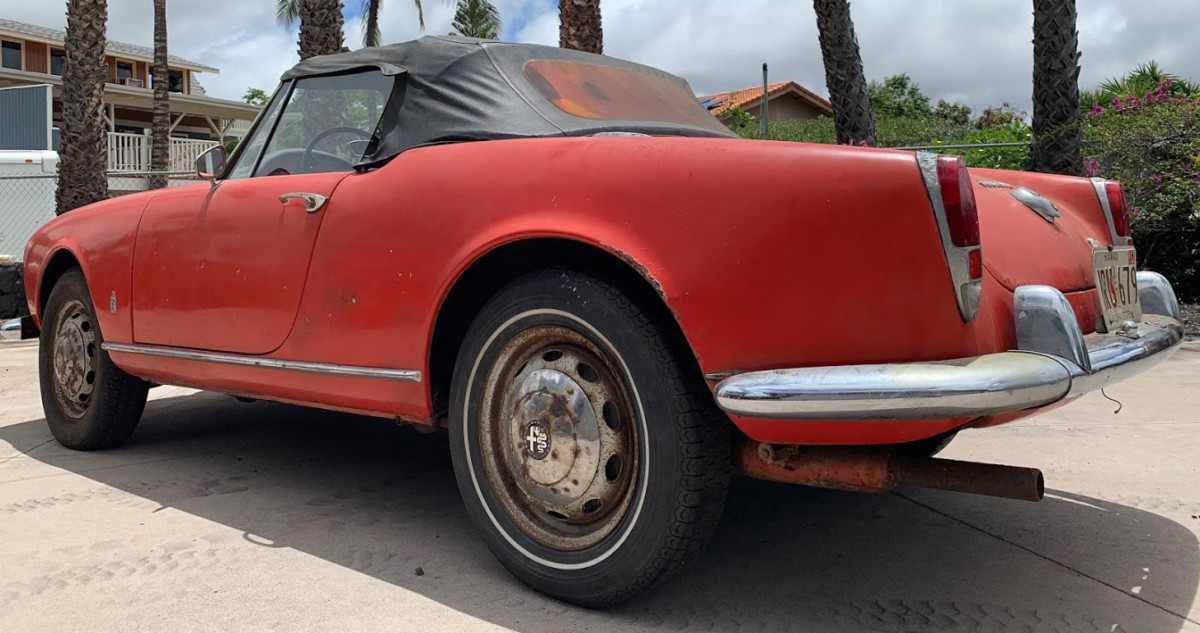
(223, 268)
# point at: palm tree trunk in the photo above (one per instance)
(844, 73)
(371, 37)
(1057, 134)
(371, 24)
(160, 144)
(320, 28)
(84, 152)
(579, 26)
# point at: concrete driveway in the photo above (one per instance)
(225, 516)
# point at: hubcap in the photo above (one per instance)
(559, 445)
(74, 359)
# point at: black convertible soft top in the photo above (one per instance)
(452, 89)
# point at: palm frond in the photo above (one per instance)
(370, 27)
(477, 18)
(287, 12)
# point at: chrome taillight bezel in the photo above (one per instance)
(967, 291)
(1100, 187)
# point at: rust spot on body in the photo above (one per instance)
(642, 270)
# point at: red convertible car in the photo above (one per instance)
(610, 301)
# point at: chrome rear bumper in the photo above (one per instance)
(1054, 360)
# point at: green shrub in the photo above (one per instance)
(1152, 145)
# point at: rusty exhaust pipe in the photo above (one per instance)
(879, 469)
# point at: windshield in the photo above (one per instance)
(592, 91)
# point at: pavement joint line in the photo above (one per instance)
(25, 453)
(1042, 556)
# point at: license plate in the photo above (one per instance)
(1116, 284)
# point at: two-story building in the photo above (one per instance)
(33, 55)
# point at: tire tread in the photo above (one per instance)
(704, 436)
(119, 398)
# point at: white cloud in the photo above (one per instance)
(979, 52)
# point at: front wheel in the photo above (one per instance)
(89, 402)
(586, 448)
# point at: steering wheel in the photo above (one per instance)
(307, 161)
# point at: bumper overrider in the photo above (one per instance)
(1054, 361)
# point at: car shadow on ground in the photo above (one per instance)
(381, 499)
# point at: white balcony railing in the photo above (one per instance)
(131, 152)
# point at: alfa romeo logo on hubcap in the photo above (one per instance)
(537, 440)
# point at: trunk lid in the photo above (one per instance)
(1020, 247)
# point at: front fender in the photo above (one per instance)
(99, 238)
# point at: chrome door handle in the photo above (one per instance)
(312, 201)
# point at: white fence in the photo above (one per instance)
(131, 152)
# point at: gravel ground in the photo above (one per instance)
(1191, 318)
(225, 516)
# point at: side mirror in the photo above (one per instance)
(211, 163)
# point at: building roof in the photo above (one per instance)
(48, 34)
(722, 102)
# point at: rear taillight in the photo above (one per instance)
(1116, 210)
(1118, 207)
(953, 200)
(958, 199)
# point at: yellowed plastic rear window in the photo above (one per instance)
(593, 91)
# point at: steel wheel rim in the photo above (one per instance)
(74, 359)
(558, 438)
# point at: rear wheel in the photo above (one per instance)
(586, 448)
(88, 401)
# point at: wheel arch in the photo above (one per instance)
(489, 272)
(61, 261)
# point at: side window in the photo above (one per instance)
(327, 124)
(251, 148)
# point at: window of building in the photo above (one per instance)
(124, 71)
(175, 81)
(58, 62)
(12, 55)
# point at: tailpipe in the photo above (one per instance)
(879, 469)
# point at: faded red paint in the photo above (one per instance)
(769, 255)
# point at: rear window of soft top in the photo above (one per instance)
(598, 92)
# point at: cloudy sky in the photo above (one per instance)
(976, 51)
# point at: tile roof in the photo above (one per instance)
(46, 33)
(720, 102)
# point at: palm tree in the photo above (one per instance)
(477, 18)
(844, 73)
(320, 27)
(84, 152)
(579, 26)
(1144, 78)
(288, 11)
(371, 33)
(160, 139)
(1057, 133)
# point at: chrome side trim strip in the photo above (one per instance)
(327, 369)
